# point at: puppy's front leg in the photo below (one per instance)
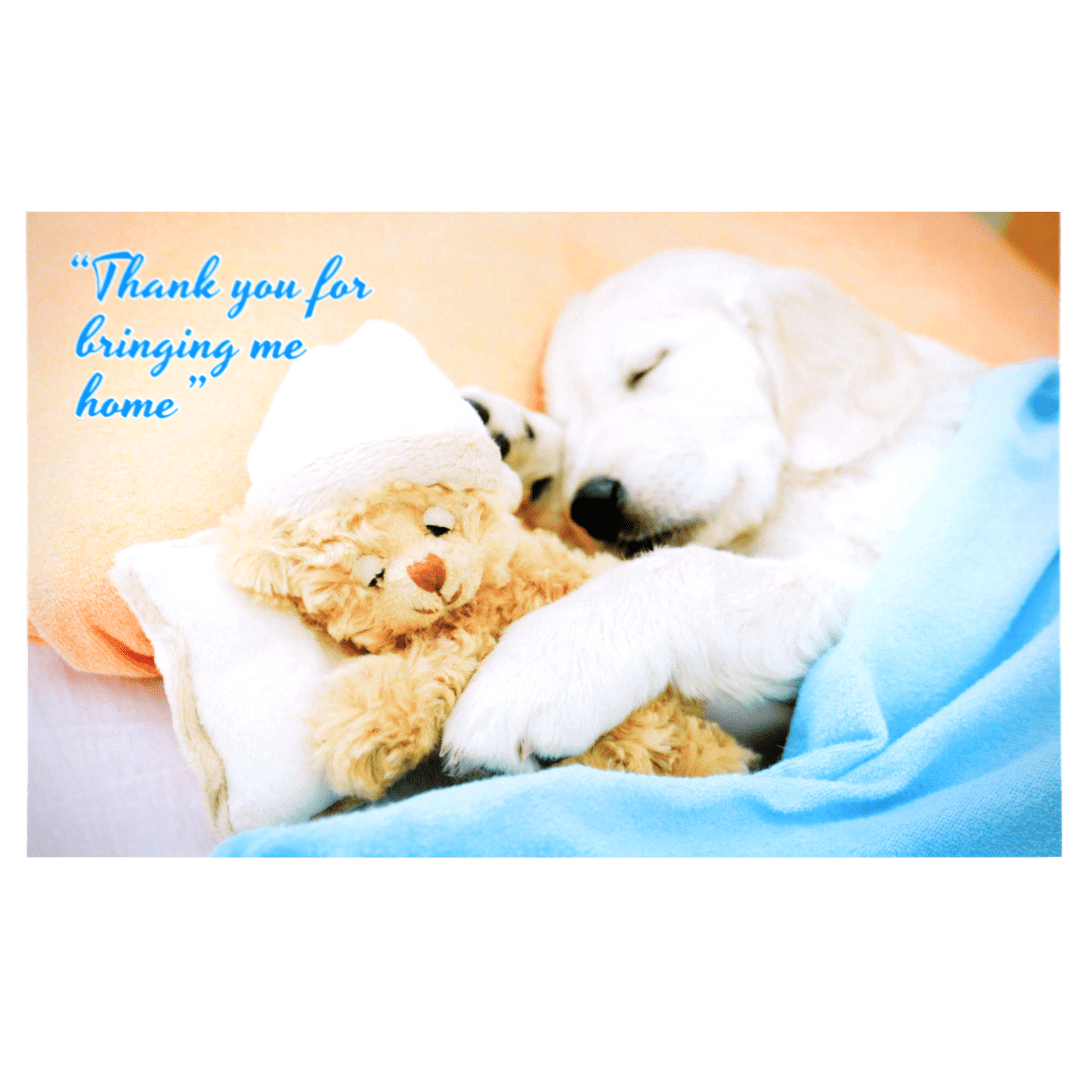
(703, 621)
(380, 716)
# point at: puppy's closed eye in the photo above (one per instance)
(633, 380)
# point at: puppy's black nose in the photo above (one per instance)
(597, 508)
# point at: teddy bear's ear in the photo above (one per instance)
(256, 552)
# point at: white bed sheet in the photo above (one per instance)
(106, 775)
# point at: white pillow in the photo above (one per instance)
(239, 676)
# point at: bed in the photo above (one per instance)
(107, 775)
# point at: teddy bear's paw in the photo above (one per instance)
(372, 724)
(351, 760)
(668, 737)
(368, 760)
(530, 442)
(706, 750)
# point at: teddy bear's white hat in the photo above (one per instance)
(355, 416)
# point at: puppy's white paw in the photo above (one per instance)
(558, 679)
(530, 442)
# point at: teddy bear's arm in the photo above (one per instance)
(381, 715)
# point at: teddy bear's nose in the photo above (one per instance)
(430, 574)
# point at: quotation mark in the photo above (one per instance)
(192, 379)
(80, 260)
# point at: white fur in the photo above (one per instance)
(777, 420)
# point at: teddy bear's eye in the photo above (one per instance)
(438, 520)
(368, 569)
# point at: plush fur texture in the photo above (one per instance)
(422, 581)
(758, 439)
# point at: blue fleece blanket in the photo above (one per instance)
(932, 728)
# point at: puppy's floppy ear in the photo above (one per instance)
(844, 379)
(257, 552)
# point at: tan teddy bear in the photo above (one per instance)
(423, 580)
(381, 511)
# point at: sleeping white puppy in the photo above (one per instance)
(752, 440)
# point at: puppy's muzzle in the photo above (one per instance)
(598, 507)
(429, 574)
